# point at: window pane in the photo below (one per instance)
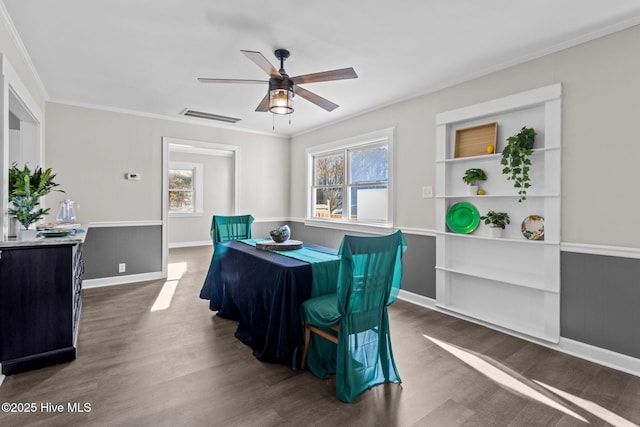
(369, 203)
(180, 201)
(329, 170)
(181, 190)
(180, 179)
(369, 164)
(328, 203)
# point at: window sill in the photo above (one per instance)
(350, 226)
(184, 215)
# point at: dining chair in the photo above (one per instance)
(225, 228)
(355, 318)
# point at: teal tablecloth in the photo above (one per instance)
(324, 266)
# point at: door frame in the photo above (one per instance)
(194, 146)
(16, 98)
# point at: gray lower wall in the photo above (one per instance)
(599, 300)
(419, 275)
(140, 247)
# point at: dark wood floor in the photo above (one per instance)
(183, 367)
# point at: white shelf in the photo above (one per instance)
(490, 196)
(492, 156)
(498, 240)
(513, 278)
(532, 332)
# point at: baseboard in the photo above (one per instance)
(121, 280)
(417, 299)
(601, 356)
(189, 244)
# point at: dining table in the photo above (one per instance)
(263, 291)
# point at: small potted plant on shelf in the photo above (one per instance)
(25, 189)
(497, 220)
(471, 177)
(515, 158)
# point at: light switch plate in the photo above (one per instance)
(427, 192)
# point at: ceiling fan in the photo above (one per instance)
(279, 98)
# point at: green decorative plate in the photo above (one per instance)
(463, 218)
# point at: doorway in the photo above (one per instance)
(211, 187)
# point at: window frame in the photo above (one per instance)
(372, 139)
(196, 185)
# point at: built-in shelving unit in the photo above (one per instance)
(511, 282)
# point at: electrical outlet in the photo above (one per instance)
(122, 267)
(427, 192)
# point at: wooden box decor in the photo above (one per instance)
(475, 140)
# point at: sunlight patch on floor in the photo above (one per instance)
(594, 408)
(163, 300)
(175, 271)
(502, 377)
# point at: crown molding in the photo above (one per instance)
(22, 50)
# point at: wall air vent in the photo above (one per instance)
(209, 116)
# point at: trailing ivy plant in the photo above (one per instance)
(515, 158)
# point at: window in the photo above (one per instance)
(185, 189)
(351, 180)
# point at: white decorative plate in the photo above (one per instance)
(533, 227)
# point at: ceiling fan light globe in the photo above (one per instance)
(281, 101)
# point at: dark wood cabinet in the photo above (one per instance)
(40, 303)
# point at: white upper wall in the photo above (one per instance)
(600, 145)
(91, 150)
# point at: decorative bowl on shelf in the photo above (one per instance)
(280, 234)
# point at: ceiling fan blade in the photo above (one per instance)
(207, 80)
(316, 99)
(262, 62)
(341, 74)
(264, 104)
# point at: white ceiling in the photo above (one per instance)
(145, 55)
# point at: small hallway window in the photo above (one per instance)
(185, 189)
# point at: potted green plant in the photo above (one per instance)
(26, 187)
(471, 177)
(515, 158)
(497, 220)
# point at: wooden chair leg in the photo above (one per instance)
(307, 339)
(308, 328)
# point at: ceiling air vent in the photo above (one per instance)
(209, 116)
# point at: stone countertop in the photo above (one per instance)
(71, 239)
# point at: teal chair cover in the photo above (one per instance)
(225, 228)
(368, 281)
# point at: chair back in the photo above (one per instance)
(369, 277)
(368, 281)
(225, 228)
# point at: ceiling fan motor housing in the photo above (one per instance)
(280, 83)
